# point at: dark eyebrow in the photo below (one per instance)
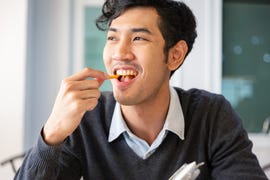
(134, 30)
(112, 29)
(144, 30)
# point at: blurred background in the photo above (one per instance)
(43, 41)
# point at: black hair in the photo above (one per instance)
(177, 22)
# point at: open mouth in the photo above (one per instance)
(125, 75)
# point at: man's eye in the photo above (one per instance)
(138, 39)
(110, 38)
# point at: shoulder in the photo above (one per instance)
(199, 97)
(210, 111)
(203, 107)
(196, 93)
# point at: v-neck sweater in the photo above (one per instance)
(140, 146)
(213, 134)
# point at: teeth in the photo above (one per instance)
(126, 72)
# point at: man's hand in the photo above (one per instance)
(77, 95)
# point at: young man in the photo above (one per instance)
(145, 129)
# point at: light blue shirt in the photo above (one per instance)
(174, 123)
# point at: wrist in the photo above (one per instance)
(51, 138)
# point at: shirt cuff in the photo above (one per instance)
(46, 154)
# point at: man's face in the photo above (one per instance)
(135, 49)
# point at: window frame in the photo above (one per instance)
(78, 55)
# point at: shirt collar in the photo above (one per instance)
(175, 119)
(175, 125)
(118, 124)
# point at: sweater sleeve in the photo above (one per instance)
(230, 149)
(46, 162)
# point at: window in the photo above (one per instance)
(94, 41)
(246, 60)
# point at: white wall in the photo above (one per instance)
(12, 79)
(261, 147)
(48, 57)
(202, 68)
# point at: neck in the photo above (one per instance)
(147, 120)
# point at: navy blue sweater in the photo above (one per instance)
(213, 135)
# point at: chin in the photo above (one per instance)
(125, 100)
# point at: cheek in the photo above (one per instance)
(156, 60)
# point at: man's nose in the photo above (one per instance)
(123, 51)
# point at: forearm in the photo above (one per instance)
(41, 162)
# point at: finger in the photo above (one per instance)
(81, 85)
(89, 104)
(86, 73)
(87, 94)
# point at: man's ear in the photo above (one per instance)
(177, 55)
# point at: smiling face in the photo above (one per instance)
(135, 49)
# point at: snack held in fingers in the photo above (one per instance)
(114, 76)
